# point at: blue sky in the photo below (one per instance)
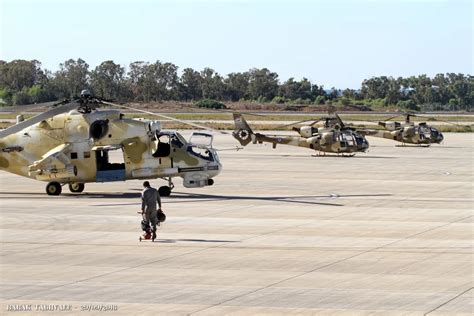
(334, 43)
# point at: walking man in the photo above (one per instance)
(150, 197)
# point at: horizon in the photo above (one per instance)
(334, 44)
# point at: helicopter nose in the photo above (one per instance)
(364, 146)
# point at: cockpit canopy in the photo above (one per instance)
(201, 139)
(200, 145)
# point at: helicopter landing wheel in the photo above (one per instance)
(76, 187)
(53, 188)
(164, 190)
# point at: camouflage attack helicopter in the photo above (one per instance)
(332, 138)
(71, 144)
(407, 132)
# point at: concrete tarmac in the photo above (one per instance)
(388, 232)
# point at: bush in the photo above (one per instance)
(5, 97)
(408, 104)
(279, 100)
(344, 101)
(38, 94)
(262, 99)
(320, 99)
(453, 102)
(21, 97)
(377, 103)
(210, 104)
(301, 101)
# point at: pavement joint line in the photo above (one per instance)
(430, 215)
(450, 300)
(115, 271)
(21, 251)
(324, 266)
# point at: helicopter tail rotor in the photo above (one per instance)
(242, 132)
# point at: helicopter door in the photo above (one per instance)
(350, 139)
(110, 164)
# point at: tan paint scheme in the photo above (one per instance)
(43, 151)
(408, 133)
(325, 140)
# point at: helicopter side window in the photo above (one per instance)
(343, 140)
(175, 141)
(201, 153)
(350, 140)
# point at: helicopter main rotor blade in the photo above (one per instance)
(29, 107)
(339, 120)
(296, 123)
(437, 120)
(246, 113)
(38, 118)
(164, 116)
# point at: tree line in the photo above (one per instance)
(24, 82)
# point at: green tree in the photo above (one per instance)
(136, 77)
(190, 85)
(71, 78)
(236, 86)
(262, 84)
(212, 84)
(108, 81)
(153, 82)
(18, 74)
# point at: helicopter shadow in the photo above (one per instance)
(173, 241)
(87, 195)
(374, 157)
(182, 197)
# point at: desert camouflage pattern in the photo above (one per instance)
(74, 147)
(326, 140)
(407, 133)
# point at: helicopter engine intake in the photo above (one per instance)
(99, 129)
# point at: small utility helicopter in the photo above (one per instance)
(332, 138)
(407, 132)
(71, 144)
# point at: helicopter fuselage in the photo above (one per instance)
(421, 134)
(323, 140)
(77, 147)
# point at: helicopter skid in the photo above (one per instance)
(335, 155)
(415, 145)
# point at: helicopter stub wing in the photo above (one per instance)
(53, 164)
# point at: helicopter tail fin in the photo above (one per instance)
(242, 131)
